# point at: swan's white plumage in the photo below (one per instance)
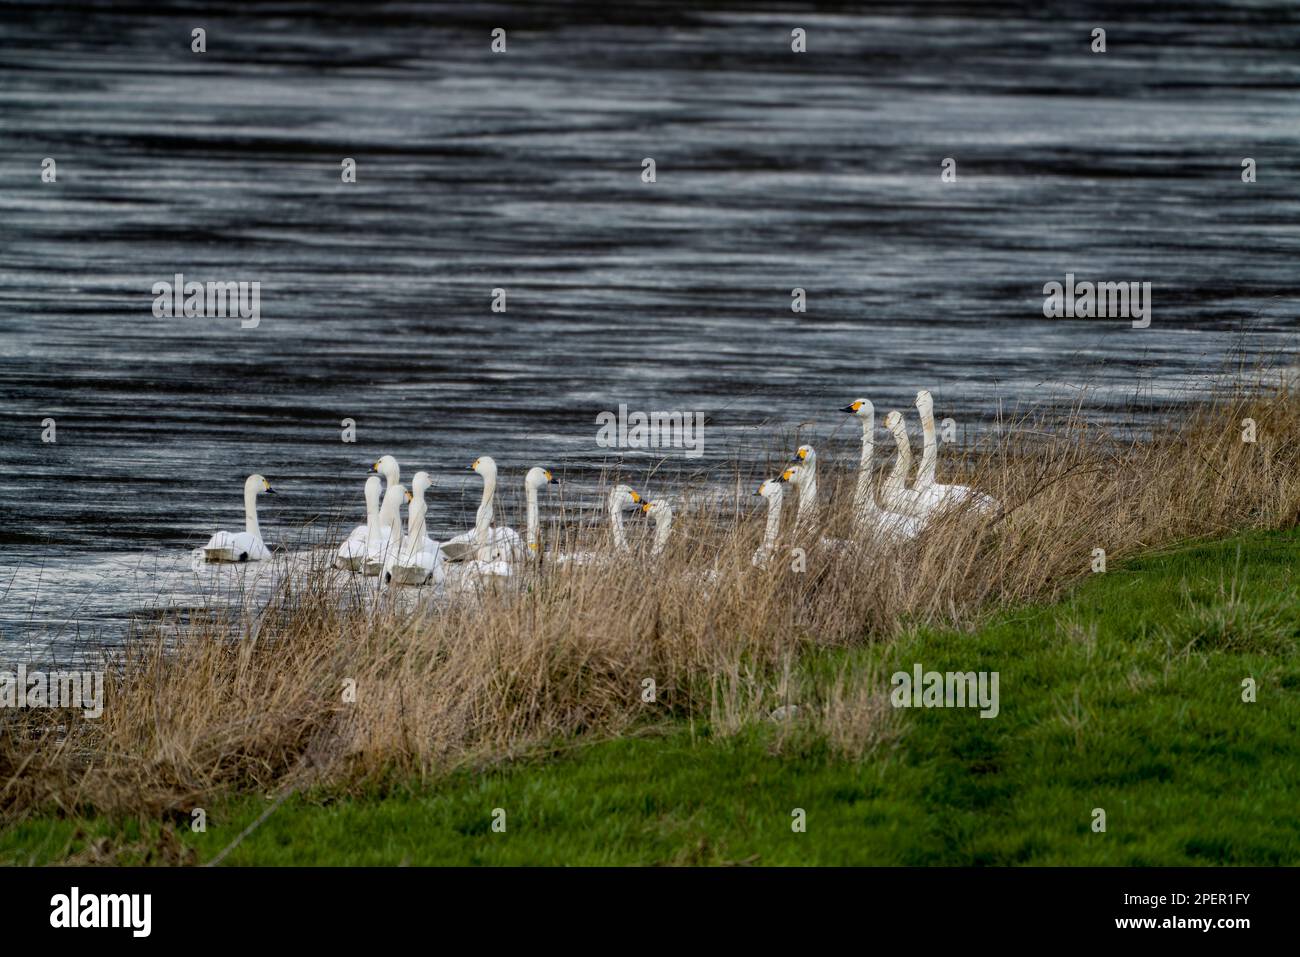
(620, 497)
(418, 559)
(871, 522)
(245, 546)
(352, 553)
(948, 495)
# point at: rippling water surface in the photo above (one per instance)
(522, 171)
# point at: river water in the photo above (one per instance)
(522, 171)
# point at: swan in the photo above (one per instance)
(774, 491)
(870, 520)
(352, 553)
(620, 497)
(951, 494)
(390, 525)
(485, 543)
(535, 479)
(419, 557)
(894, 493)
(245, 546)
(804, 478)
(662, 513)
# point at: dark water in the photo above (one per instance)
(522, 171)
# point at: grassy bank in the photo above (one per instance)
(1126, 696)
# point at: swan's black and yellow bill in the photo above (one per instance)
(801, 454)
(551, 478)
(409, 496)
(266, 487)
(852, 406)
(787, 475)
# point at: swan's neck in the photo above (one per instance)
(616, 524)
(372, 516)
(863, 499)
(663, 528)
(807, 495)
(898, 475)
(532, 522)
(390, 515)
(929, 451)
(250, 513)
(483, 520)
(773, 522)
(415, 521)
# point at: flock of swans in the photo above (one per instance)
(379, 548)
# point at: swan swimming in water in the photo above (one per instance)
(352, 553)
(947, 494)
(620, 497)
(870, 520)
(804, 478)
(894, 493)
(390, 528)
(486, 542)
(774, 491)
(245, 546)
(419, 558)
(535, 479)
(662, 513)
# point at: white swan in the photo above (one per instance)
(870, 520)
(419, 558)
(662, 513)
(950, 494)
(390, 524)
(485, 543)
(804, 478)
(774, 491)
(352, 553)
(535, 479)
(245, 546)
(620, 497)
(894, 493)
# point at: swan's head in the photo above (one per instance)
(537, 477)
(925, 402)
(657, 510)
(792, 474)
(805, 454)
(894, 422)
(485, 466)
(860, 407)
(386, 466)
(771, 488)
(419, 482)
(256, 485)
(623, 496)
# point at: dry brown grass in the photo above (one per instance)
(255, 702)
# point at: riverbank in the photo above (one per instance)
(1126, 696)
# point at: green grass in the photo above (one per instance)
(1127, 696)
